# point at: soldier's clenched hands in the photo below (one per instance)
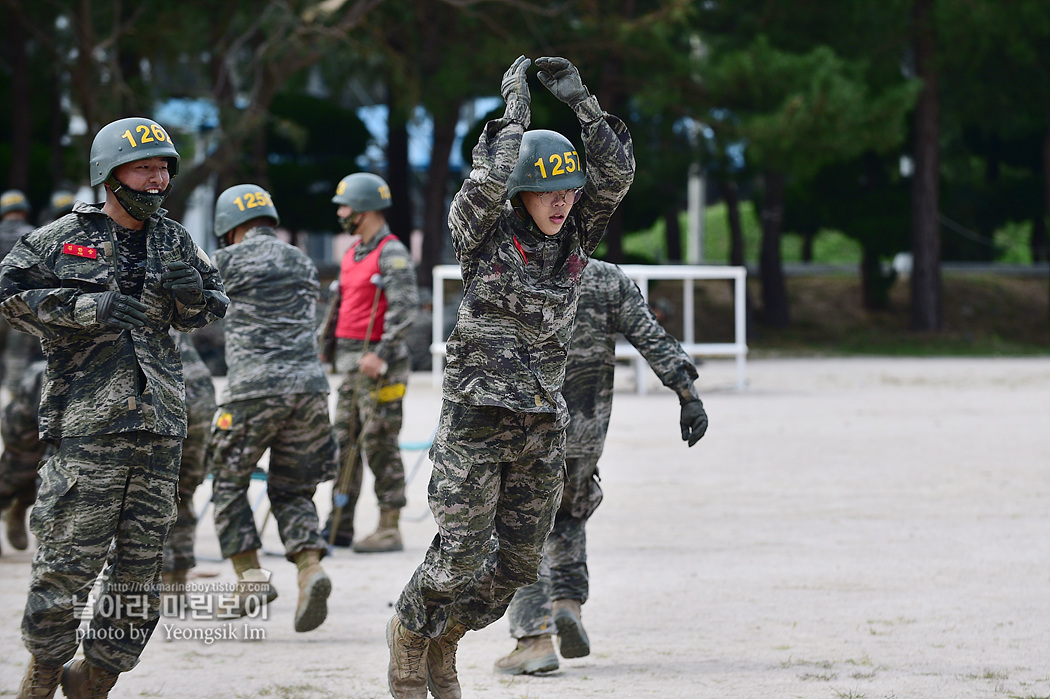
(120, 311)
(563, 79)
(515, 83)
(694, 421)
(185, 282)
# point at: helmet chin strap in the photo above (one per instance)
(349, 225)
(139, 205)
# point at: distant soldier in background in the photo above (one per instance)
(101, 287)
(610, 304)
(23, 452)
(373, 386)
(60, 204)
(200, 409)
(14, 223)
(276, 398)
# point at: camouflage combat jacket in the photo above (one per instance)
(101, 379)
(520, 286)
(271, 345)
(10, 231)
(195, 372)
(611, 303)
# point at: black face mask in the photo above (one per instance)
(349, 225)
(139, 205)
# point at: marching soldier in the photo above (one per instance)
(375, 366)
(522, 225)
(610, 304)
(23, 452)
(101, 287)
(14, 223)
(276, 398)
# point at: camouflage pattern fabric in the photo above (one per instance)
(496, 475)
(271, 345)
(357, 395)
(94, 491)
(14, 346)
(610, 304)
(101, 379)
(23, 450)
(379, 406)
(521, 287)
(499, 452)
(302, 446)
(200, 409)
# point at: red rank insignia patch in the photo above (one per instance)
(80, 251)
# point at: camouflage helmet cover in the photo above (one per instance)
(363, 191)
(242, 203)
(127, 140)
(547, 162)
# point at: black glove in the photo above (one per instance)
(185, 282)
(694, 421)
(120, 310)
(515, 82)
(563, 80)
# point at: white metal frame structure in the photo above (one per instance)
(642, 275)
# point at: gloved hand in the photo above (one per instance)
(515, 83)
(694, 421)
(563, 80)
(185, 282)
(120, 311)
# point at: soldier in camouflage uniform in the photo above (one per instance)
(23, 452)
(14, 223)
(610, 304)
(375, 369)
(276, 398)
(101, 287)
(522, 226)
(200, 409)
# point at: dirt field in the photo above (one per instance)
(849, 528)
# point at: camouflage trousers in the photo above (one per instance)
(298, 432)
(17, 351)
(379, 406)
(200, 409)
(23, 452)
(563, 571)
(496, 483)
(96, 492)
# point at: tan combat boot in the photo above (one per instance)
(314, 588)
(533, 654)
(407, 673)
(82, 680)
(40, 681)
(253, 583)
(441, 663)
(572, 639)
(386, 537)
(15, 519)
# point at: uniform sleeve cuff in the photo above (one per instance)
(85, 312)
(589, 110)
(519, 111)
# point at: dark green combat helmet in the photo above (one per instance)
(13, 200)
(125, 141)
(242, 203)
(547, 162)
(363, 191)
(61, 202)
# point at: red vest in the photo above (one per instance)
(357, 293)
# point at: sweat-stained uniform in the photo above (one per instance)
(113, 404)
(276, 395)
(360, 395)
(200, 409)
(610, 303)
(498, 454)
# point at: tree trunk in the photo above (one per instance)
(774, 288)
(925, 227)
(1040, 244)
(673, 234)
(399, 216)
(21, 135)
(435, 196)
(736, 230)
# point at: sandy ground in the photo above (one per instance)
(848, 528)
